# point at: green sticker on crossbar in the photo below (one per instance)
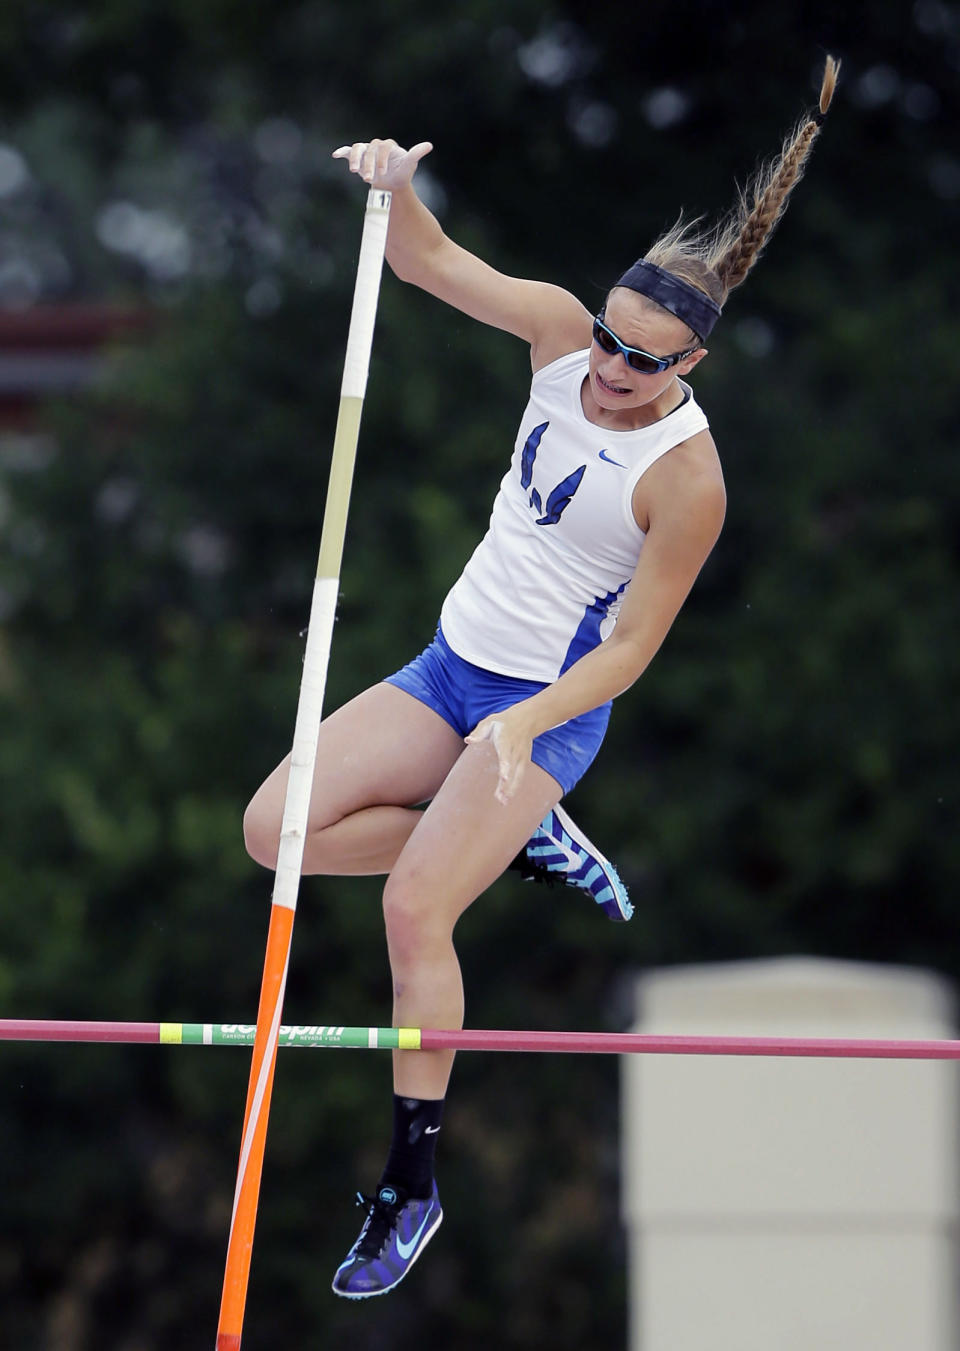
(243, 1034)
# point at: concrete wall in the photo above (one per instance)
(785, 1205)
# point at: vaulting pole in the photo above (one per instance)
(300, 783)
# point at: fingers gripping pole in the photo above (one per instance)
(303, 757)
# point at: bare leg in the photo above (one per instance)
(460, 846)
(377, 757)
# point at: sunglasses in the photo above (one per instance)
(635, 357)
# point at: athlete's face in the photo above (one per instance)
(614, 384)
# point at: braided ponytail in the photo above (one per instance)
(715, 261)
(750, 226)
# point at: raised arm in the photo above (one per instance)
(549, 318)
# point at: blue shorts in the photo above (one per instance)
(464, 694)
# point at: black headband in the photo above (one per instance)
(686, 302)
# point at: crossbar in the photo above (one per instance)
(426, 1039)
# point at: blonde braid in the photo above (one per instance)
(716, 260)
(751, 227)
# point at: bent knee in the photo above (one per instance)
(261, 835)
(413, 925)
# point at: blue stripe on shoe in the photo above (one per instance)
(550, 859)
(595, 873)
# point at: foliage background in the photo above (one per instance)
(783, 779)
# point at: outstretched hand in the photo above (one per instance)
(383, 164)
(512, 743)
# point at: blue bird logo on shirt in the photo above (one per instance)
(561, 496)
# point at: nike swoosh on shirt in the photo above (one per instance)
(431, 1130)
(605, 456)
(405, 1249)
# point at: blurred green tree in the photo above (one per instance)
(781, 780)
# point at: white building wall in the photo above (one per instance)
(786, 1204)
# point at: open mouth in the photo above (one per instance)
(608, 388)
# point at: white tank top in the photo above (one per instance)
(546, 582)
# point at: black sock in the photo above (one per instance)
(416, 1125)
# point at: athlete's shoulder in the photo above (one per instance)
(692, 472)
(561, 368)
(688, 482)
(694, 457)
(564, 327)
